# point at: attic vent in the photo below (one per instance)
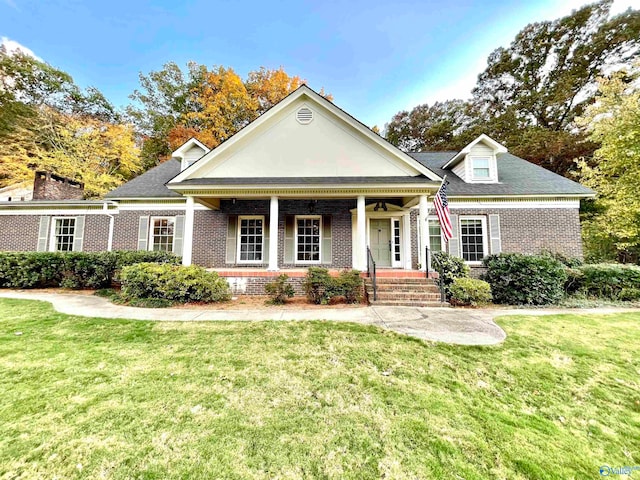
(304, 115)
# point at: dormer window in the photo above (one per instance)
(478, 161)
(481, 168)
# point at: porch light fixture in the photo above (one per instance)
(233, 201)
(312, 206)
(379, 205)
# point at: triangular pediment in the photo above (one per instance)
(305, 135)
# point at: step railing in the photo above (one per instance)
(443, 298)
(371, 272)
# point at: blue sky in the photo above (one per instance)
(375, 57)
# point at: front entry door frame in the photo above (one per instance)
(393, 262)
(393, 212)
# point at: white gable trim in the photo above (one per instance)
(186, 146)
(498, 148)
(204, 162)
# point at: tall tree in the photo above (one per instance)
(436, 127)
(547, 77)
(614, 122)
(531, 92)
(47, 122)
(160, 102)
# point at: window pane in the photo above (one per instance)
(481, 167)
(308, 240)
(251, 239)
(435, 238)
(472, 239)
(162, 234)
(64, 232)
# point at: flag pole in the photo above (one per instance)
(444, 179)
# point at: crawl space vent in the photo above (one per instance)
(304, 115)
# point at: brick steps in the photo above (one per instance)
(415, 292)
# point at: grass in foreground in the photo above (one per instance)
(91, 398)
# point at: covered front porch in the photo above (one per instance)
(289, 231)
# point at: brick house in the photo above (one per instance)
(307, 184)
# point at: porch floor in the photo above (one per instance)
(301, 272)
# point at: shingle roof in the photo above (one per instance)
(515, 176)
(151, 184)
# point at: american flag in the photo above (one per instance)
(442, 210)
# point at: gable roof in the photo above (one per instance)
(516, 176)
(207, 161)
(192, 142)
(498, 147)
(151, 184)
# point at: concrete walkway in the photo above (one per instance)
(449, 325)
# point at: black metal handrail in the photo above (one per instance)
(371, 272)
(426, 261)
(443, 298)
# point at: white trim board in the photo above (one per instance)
(515, 205)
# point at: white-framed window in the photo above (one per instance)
(395, 223)
(473, 238)
(250, 239)
(308, 238)
(481, 168)
(435, 235)
(161, 233)
(63, 230)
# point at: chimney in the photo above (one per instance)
(49, 186)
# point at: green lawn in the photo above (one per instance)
(91, 398)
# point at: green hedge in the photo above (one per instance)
(449, 268)
(173, 282)
(470, 291)
(70, 270)
(321, 287)
(604, 280)
(518, 279)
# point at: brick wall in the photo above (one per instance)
(255, 285)
(19, 233)
(533, 230)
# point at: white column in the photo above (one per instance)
(273, 235)
(361, 236)
(187, 239)
(423, 231)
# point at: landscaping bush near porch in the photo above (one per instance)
(470, 292)
(606, 281)
(321, 287)
(174, 283)
(70, 270)
(518, 279)
(449, 269)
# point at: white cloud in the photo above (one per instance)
(12, 46)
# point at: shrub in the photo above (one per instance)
(279, 290)
(604, 280)
(449, 268)
(72, 269)
(469, 291)
(567, 261)
(349, 285)
(318, 285)
(629, 294)
(525, 279)
(173, 282)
